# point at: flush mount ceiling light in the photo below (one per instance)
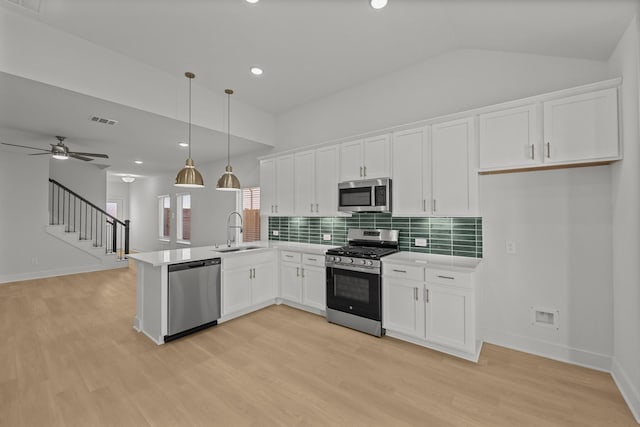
(256, 71)
(138, 162)
(228, 181)
(252, 1)
(128, 179)
(183, 144)
(378, 4)
(189, 176)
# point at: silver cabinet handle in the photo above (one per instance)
(548, 150)
(446, 277)
(426, 295)
(365, 171)
(317, 208)
(424, 205)
(360, 170)
(434, 205)
(276, 208)
(312, 259)
(297, 271)
(250, 273)
(533, 152)
(415, 293)
(311, 207)
(289, 256)
(271, 208)
(302, 272)
(254, 273)
(399, 271)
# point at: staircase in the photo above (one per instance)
(80, 223)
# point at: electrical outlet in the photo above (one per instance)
(275, 232)
(510, 246)
(326, 237)
(420, 242)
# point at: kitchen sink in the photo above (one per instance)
(237, 249)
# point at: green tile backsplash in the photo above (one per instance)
(445, 236)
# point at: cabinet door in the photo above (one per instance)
(263, 285)
(314, 287)
(451, 149)
(351, 161)
(236, 290)
(377, 154)
(304, 183)
(268, 186)
(402, 307)
(450, 317)
(581, 127)
(411, 172)
(509, 138)
(326, 189)
(291, 288)
(284, 185)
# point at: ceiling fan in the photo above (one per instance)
(61, 151)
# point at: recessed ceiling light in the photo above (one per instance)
(183, 144)
(378, 4)
(138, 162)
(256, 71)
(252, 1)
(128, 179)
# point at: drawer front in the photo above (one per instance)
(447, 277)
(401, 271)
(248, 259)
(289, 256)
(311, 259)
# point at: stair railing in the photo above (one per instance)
(91, 222)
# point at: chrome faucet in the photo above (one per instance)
(229, 227)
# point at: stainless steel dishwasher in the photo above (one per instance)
(194, 297)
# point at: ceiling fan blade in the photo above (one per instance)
(24, 146)
(39, 154)
(104, 156)
(76, 156)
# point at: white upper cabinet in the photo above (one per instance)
(509, 138)
(581, 127)
(304, 182)
(276, 183)
(326, 183)
(411, 172)
(365, 158)
(454, 179)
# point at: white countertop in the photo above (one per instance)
(457, 263)
(176, 256)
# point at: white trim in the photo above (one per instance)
(550, 350)
(9, 278)
(442, 349)
(627, 389)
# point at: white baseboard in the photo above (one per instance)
(562, 353)
(627, 389)
(9, 278)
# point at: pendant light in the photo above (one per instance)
(189, 176)
(228, 181)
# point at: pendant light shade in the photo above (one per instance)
(228, 181)
(189, 176)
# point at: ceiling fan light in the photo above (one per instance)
(189, 177)
(128, 179)
(60, 156)
(228, 181)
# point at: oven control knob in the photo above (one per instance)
(369, 262)
(336, 258)
(363, 261)
(349, 260)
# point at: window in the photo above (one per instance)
(164, 217)
(251, 214)
(183, 217)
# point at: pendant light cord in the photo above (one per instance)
(228, 129)
(190, 116)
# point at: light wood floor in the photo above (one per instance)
(69, 356)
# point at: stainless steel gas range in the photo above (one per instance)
(354, 285)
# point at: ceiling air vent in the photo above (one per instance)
(103, 120)
(32, 6)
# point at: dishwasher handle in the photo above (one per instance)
(194, 264)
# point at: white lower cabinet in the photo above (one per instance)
(302, 279)
(247, 280)
(434, 307)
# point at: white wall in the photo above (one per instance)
(36, 51)
(453, 82)
(209, 207)
(626, 229)
(26, 250)
(119, 190)
(560, 222)
(85, 179)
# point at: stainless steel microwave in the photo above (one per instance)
(367, 195)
